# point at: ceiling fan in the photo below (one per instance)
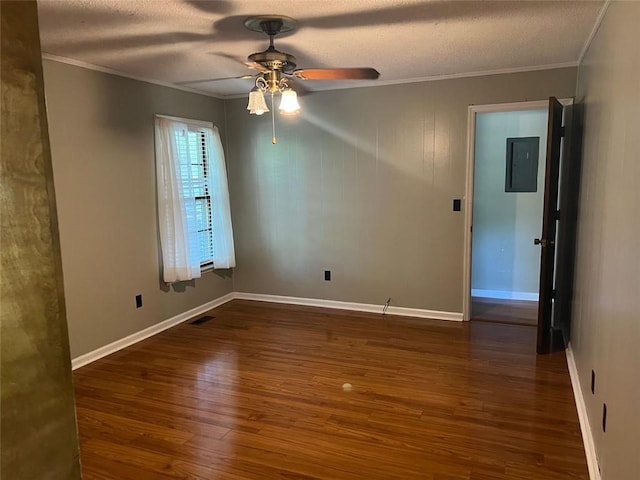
(273, 60)
(277, 69)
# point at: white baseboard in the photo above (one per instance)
(585, 428)
(113, 347)
(504, 294)
(359, 307)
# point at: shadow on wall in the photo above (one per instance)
(181, 287)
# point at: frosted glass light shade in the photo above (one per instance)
(289, 103)
(257, 104)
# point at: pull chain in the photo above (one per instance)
(274, 140)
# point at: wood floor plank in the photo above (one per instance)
(257, 393)
(519, 312)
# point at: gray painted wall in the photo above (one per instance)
(605, 331)
(504, 257)
(102, 144)
(362, 183)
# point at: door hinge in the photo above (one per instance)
(562, 130)
(557, 214)
(553, 293)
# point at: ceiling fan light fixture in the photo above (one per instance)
(276, 68)
(257, 104)
(289, 102)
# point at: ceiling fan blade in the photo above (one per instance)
(337, 74)
(206, 80)
(251, 65)
(257, 66)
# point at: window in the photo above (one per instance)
(194, 162)
(194, 216)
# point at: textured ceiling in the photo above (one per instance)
(182, 41)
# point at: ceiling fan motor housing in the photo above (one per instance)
(274, 60)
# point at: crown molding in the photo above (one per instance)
(594, 30)
(111, 71)
(435, 78)
(376, 83)
(482, 73)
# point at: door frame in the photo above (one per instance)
(473, 110)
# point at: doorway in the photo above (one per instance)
(508, 197)
(506, 285)
(521, 174)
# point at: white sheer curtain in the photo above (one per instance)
(178, 261)
(180, 188)
(223, 248)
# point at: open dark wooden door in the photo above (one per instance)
(568, 200)
(547, 241)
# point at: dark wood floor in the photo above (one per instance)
(520, 312)
(257, 393)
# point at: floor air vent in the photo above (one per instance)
(201, 320)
